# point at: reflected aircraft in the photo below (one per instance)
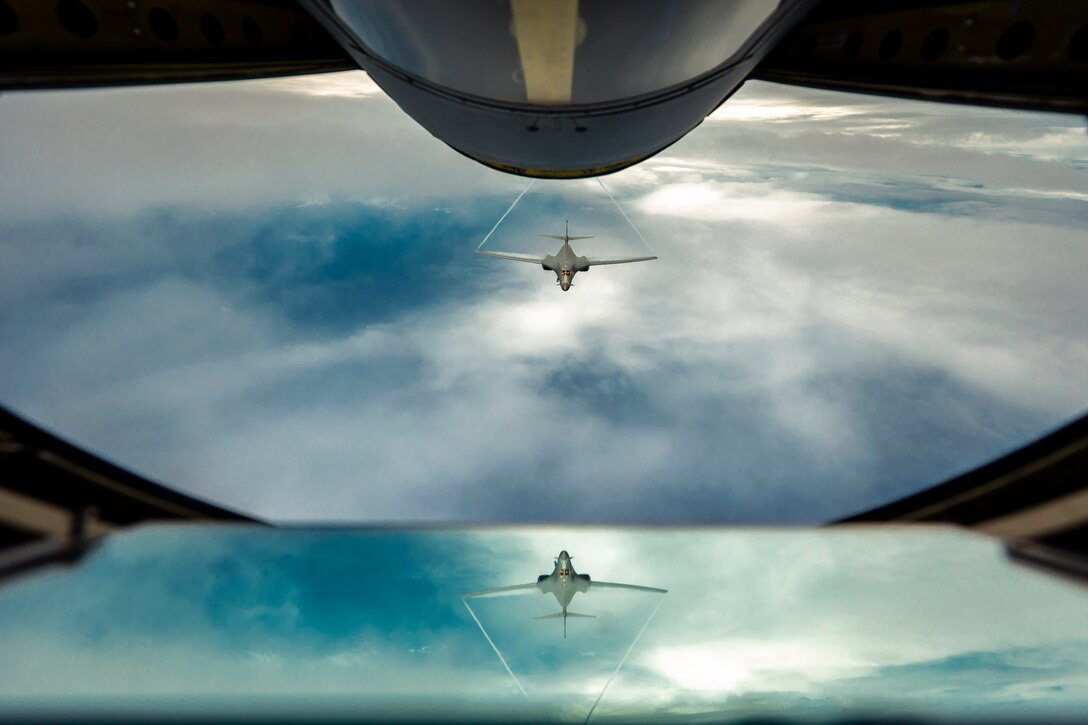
(564, 583)
(565, 263)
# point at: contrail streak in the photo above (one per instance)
(623, 213)
(528, 186)
(501, 658)
(624, 659)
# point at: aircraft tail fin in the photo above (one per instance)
(566, 235)
(561, 238)
(563, 616)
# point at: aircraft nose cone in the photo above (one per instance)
(564, 286)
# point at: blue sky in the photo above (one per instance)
(263, 293)
(938, 624)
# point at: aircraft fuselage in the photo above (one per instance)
(563, 582)
(565, 263)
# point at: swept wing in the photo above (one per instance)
(611, 585)
(561, 238)
(511, 255)
(502, 591)
(595, 261)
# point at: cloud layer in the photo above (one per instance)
(264, 294)
(803, 625)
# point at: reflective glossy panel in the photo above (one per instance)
(548, 53)
(802, 625)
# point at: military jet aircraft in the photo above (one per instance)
(564, 583)
(565, 263)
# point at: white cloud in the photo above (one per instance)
(751, 357)
(810, 614)
(771, 354)
(708, 200)
(349, 84)
(763, 108)
(848, 619)
(739, 666)
(239, 145)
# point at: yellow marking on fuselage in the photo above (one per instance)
(546, 32)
